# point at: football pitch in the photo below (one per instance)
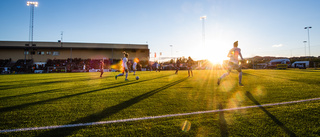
(271, 103)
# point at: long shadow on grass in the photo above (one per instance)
(6, 109)
(16, 82)
(288, 131)
(39, 79)
(222, 122)
(6, 87)
(29, 94)
(107, 112)
(47, 91)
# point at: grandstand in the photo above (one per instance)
(5, 66)
(25, 57)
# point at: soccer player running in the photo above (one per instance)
(189, 65)
(101, 67)
(125, 66)
(234, 53)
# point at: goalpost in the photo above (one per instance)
(59, 69)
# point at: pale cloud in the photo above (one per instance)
(277, 46)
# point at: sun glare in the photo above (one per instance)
(216, 55)
(216, 59)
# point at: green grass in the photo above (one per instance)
(37, 100)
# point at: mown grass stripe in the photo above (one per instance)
(152, 117)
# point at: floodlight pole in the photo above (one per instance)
(32, 4)
(203, 30)
(309, 27)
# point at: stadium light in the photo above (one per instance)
(32, 3)
(308, 27)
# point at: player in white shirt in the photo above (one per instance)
(124, 65)
(234, 54)
(158, 67)
(134, 67)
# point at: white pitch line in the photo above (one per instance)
(151, 117)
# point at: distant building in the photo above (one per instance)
(42, 51)
(259, 61)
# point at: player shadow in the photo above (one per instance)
(222, 122)
(48, 91)
(29, 94)
(279, 123)
(107, 112)
(7, 87)
(74, 79)
(43, 78)
(114, 85)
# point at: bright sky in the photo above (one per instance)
(262, 27)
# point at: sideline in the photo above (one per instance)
(151, 117)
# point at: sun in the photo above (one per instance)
(215, 54)
(216, 60)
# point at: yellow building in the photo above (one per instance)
(42, 51)
(38, 57)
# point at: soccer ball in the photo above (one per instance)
(137, 77)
